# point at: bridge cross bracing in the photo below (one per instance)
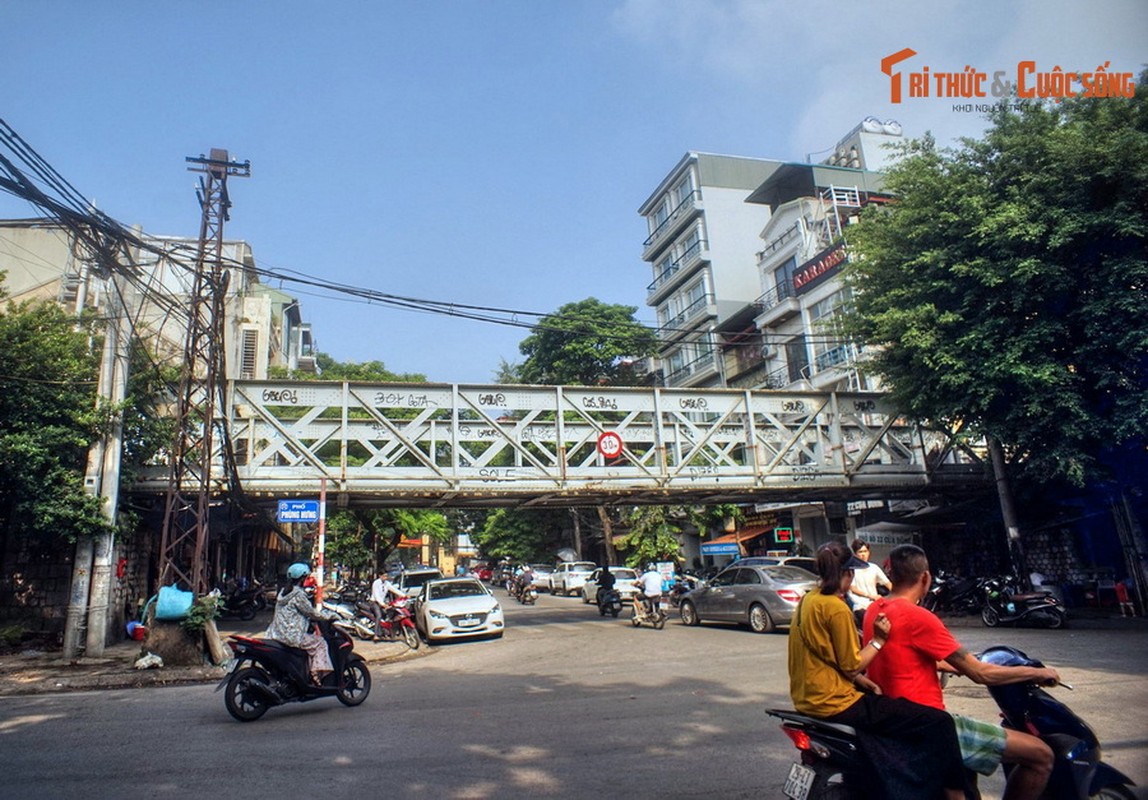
(426, 445)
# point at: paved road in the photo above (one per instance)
(565, 705)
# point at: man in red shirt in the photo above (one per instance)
(919, 644)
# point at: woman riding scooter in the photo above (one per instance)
(292, 621)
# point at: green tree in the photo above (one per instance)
(332, 370)
(49, 418)
(1004, 289)
(653, 534)
(587, 343)
(361, 540)
(520, 534)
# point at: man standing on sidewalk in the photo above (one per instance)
(919, 644)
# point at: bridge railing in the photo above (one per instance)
(453, 443)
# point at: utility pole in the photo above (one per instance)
(91, 567)
(183, 549)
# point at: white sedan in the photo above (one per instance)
(624, 579)
(457, 608)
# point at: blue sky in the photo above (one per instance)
(492, 153)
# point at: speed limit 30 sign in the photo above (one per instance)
(610, 444)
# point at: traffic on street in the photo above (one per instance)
(567, 703)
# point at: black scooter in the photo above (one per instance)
(268, 673)
(609, 602)
(1006, 603)
(831, 761)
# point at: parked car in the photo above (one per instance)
(411, 581)
(568, 577)
(807, 563)
(624, 578)
(483, 572)
(761, 596)
(457, 608)
(542, 576)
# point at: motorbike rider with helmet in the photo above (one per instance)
(292, 621)
(649, 585)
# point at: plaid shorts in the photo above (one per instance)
(982, 744)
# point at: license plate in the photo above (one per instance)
(799, 782)
(468, 623)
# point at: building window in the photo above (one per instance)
(783, 278)
(684, 190)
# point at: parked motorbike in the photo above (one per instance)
(398, 623)
(955, 595)
(235, 603)
(268, 673)
(1005, 603)
(350, 619)
(643, 613)
(610, 602)
(831, 760)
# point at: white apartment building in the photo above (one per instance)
(700, 249)
(263, 327)
(805, 246)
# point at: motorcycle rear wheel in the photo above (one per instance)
(248, 613)
(1114, 792)
(990, 617)
(659, 621)
(243, 702)
(356, 683)
(614, 611)
(411, 637)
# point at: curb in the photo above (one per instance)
(35, 674)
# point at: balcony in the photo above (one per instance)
(778, 305)
(694, 372)
(672, 223)
(677, 271)
(775, 244)
(677, 326)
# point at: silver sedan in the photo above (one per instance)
(762, 597)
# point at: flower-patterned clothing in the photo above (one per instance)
(291, 625)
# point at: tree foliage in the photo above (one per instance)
(49, 417)
(361, 540)
(332, 370)
(521, 534)
(1004, 289)
(587, 343)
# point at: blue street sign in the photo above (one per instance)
(298, 511)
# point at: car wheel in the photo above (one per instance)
(689, 614)
(759, 619)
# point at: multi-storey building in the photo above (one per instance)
(811, 206)
(263, 326)
(700, 248)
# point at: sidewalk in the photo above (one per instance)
(39, 672)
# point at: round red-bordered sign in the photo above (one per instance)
(610, 444)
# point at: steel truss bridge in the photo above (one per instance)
(430, 445)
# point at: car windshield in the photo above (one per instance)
(625, 573)
(582, 567)
(442, 591)
(412, 579)
(542, 567)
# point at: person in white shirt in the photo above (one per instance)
(863, 590)
(383, 594)
(649, 586)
